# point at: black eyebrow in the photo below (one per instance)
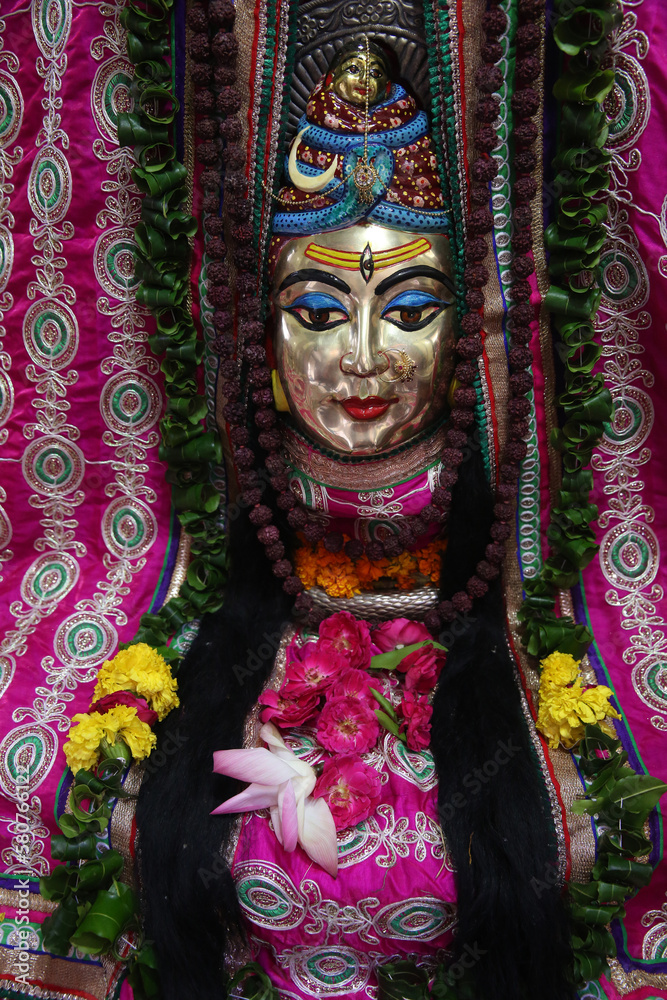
(419, 271)
(313, 274)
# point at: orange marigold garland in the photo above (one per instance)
(339, 575)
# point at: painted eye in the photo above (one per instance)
(318, 312)
(413, 310)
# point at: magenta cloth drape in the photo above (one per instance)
(84, 513)
(623, 592)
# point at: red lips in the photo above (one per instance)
(366, 409)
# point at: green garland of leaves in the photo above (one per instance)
(95, 908)
(621, 801)
(163, 264)
(574, 241)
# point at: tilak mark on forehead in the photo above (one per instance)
(368, 261)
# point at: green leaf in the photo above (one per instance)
(386, 705)
(402, 980)
(387, 723)
(626, 842)
(76, 848)
(638, 793)
(143, 975)
(252, 983)
(111, 912)
(391, 659)
(98, 874)
(57, 885)
(59, 926)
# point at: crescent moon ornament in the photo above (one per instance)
(299, 180)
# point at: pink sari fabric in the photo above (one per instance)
(84, 513)
(394, 896)
(623, 589)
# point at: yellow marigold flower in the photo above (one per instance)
(565, 711)
(597, 698)
(558, 670)
(558, 717)
(85, 736)
(83, 747)
(141, 669)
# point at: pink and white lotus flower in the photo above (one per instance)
(283, 784)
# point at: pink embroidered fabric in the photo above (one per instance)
(358, 510)
(394, 896)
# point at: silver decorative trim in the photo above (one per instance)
(375, 607)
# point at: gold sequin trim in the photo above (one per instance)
(626, 982)
(180, 566)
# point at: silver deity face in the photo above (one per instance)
(364, 335)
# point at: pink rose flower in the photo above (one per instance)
(286, 713)
(129, 698)
(399, 632)
(347, 725)
(355, 684)
(346, 634)
(418, 201)
(310, 669)
(422, 668)
(351, 788)
(416, 723)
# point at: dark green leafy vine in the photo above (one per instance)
(621, 801)
(163, 264)
(574, 241)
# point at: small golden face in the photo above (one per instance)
(356, 75)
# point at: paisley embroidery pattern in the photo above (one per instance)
(655, 941)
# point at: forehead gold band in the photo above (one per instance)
(350, 260)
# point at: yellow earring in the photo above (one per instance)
(279, 397)
(453, 386)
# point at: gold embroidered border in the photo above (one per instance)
(374, 474)
(180, 566)
(11, 897)
(76, 981)
(627, 982)
(122, 820)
